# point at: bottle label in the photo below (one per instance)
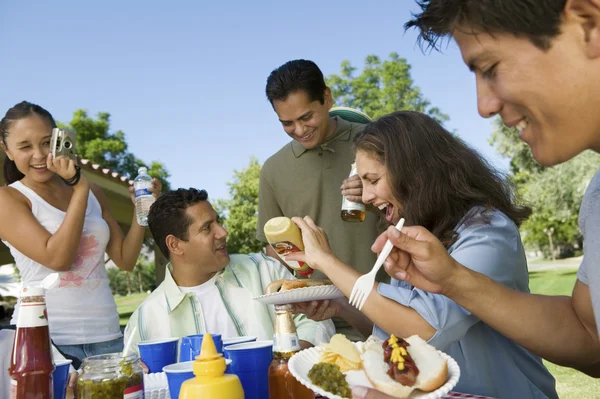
(352, 206)
(284, 248)
(285, 342)
(32, 314)
(136, 392)
(13, 389)
(141, 191)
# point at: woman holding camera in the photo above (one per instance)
(53, 220)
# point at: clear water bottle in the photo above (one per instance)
(143, 197)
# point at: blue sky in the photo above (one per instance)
(185, 79)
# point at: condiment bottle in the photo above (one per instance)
(31, 363)
(282, 384)
(210, 380)
(353, 212)
(285, 237)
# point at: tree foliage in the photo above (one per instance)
(96, 142)
(382, 87)
(239, 214)
(554, 194)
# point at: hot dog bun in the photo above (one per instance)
(433, 369)
(286, 285)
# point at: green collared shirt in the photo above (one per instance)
(168, 312)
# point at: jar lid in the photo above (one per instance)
(33, 291)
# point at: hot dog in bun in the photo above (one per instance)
(286, 285)
(398, 367)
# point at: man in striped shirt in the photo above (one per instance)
(205, 289)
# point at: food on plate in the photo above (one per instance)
(341, 352)
(398, 367)
(330, 378)
(286, 285)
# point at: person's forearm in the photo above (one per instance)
(357, 320)
(389, 315)
(63, 244)
(131, 246)
(546, 325)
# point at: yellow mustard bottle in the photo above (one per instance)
(285, 237)
(210, 380)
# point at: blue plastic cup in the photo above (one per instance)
(60, 377)
(176, 374)
(250, 361)
(158, 353)
(191, 345)
(238, 340)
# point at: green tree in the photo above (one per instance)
(239, 214)
(381, 88)
(554, 194)
(96, 142)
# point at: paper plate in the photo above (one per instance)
(316, 293)
(301, 363)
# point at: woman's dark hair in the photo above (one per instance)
(434, 175)
(20, 111)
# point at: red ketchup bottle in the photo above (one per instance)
(31, 363)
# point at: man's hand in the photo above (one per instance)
(366, 393)
(318, 310)
(352, 189)
(72, 383)
(418, 258)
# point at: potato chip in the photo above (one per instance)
(344, 347)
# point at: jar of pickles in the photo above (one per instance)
(111, 376)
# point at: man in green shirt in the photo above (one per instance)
(304, 177)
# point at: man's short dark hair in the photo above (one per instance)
(168, 215)
(538, 21)
(295, 76)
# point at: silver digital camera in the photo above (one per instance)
(63, 143)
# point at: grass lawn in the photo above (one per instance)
(570, 384)
(126, 305)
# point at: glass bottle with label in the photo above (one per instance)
(31, 363)
(353, 212)
(282, 384)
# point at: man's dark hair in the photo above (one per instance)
(294, 76)
(538, 21)
(168, 215)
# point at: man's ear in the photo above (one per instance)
(586, 13)
(174, 245)
(328, 98)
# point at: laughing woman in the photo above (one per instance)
(411, 167)
(53, 220)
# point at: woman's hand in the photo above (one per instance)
(72, 384)
(156, 190)
(64, 167)
(316, 245)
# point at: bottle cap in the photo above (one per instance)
(209, 363)
(142, 170)
(33, 291)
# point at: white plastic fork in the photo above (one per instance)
(363, 286)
